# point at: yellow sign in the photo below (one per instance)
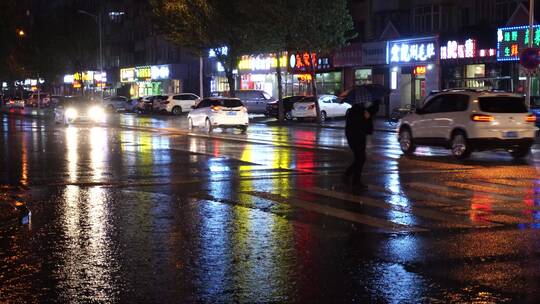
(261, 62)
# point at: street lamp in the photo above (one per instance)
(97, 19)
(21, 33)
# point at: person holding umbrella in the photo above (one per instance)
(359, 124)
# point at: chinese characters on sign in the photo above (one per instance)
(261, 63)
(454, 50)
(145, 73)
(298, 62)
(511, 41)
(411, 51)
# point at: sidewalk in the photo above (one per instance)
(31, 112)
(380, 124)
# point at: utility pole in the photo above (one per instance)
(531, 35)
(97, 19)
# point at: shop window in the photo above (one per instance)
(363, 76)
(476, 71)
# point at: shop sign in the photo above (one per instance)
(143, 73)
(224, 50)
(298, 62)
(259, 63)
(68, 79)
(420, 70)
(127, 75)
(160, 72)
(511, 41)
(456, 50)
(411, 50)
(374, 53)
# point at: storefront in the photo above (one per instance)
(465, 64)
(92, 82)
(153, 80)
(414, 70)
(511, 41)
(329, 80)
(258, 72)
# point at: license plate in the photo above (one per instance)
(231, 113)
(511, 134)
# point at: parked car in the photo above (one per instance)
(330, 105)
(272, 107)
(34, 100)
(466, 121)
(254, 100)
(79, 109)
(146, 104)
(215, 112)
(115, 103)
(535, 108)
(176, 104)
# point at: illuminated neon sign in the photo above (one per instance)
(159, 72)
(127, 75)
(420, 70)
(455, 50)
(298, 62)
(511, 41)
(145, 73)
(261, 62)
(411, 50)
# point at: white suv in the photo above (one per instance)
(466, 121)
(177, 104)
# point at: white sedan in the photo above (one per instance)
(76, 109)
(330, 105)
(222, 113)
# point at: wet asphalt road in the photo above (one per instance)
(141, 211)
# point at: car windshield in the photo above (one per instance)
(228, 103)
(503, 104)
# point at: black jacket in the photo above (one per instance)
(356, 124)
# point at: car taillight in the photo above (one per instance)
(215, 108)
(311, 107)
(531, 118)
(482, 118)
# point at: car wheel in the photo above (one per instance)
(520, 152)
(176, 110)
(243, 129)
(460, 146)
(190, 124)
(208, 126)
(288, 116)
(406, 142)
(323, 116)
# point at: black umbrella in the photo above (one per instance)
(364, 93)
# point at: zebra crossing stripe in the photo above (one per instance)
(453, 219)
(355, 217)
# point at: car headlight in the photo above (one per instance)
(96, 113)
(71, 113)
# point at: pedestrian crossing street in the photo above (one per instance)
(418, 206)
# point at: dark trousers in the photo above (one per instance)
(358, 147)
